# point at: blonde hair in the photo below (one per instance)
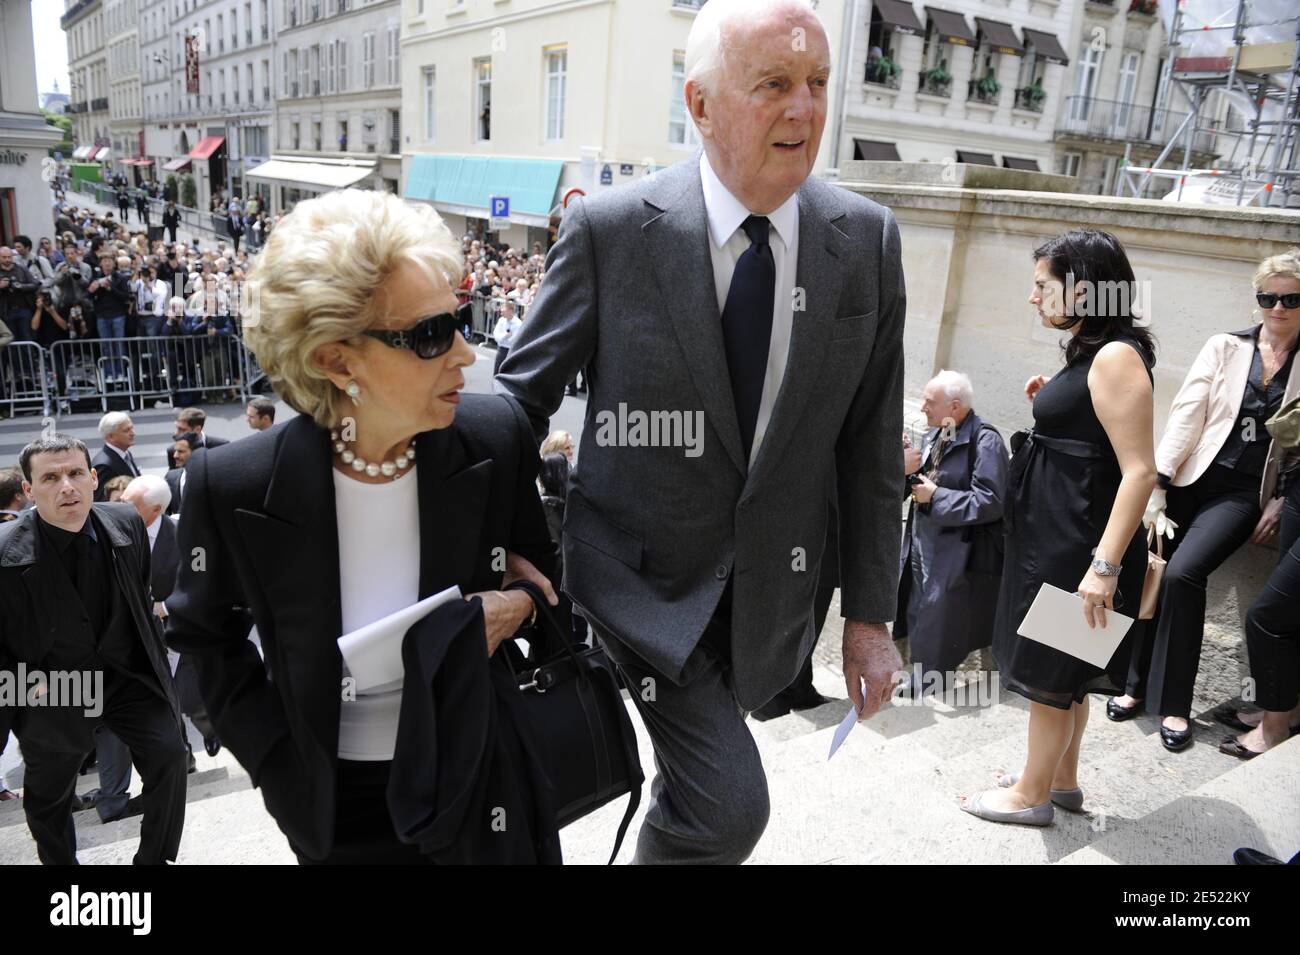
(1286, 263)
(316, 278)
(556, 442)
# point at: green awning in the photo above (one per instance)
(469, 182)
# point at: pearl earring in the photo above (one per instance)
(354, 392)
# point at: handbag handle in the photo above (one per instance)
(546, 616)
(1157, 539)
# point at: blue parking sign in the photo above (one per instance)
(500, 207)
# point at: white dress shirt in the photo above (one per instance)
(728, 243)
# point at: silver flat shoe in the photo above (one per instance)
(1070, 800)
(1033, 816)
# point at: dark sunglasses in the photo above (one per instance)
(1269, 299)
(428, 338)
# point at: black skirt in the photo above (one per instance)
(1059, 496)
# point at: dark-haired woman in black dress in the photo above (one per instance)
(1078, 488)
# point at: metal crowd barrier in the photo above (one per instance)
(177, 368)
(484, 312)
(24, 378)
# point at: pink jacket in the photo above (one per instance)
(1206, 408)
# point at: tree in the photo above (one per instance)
(63, 123)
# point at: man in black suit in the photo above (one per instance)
(74, 601)
(178, 454)
(192, 420)
(114, 458)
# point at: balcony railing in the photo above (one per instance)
(935, 87)
(1125, 122)
(266, 94)
(97, 104)
(293, 89)
(394, 145)
(689, 4)
(315, 87)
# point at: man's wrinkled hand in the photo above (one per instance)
(871, 666)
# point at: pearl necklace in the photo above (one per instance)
(388, 469)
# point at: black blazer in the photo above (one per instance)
(166, 559)
(35, 605)
(173, 479)
(262, 509)
(108, 464)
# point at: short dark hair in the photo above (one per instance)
(194, 417)
(189, 437)
(264, 407)
(24, 239)
(11, 485)
(53, 444)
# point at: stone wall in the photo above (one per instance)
(968, 234)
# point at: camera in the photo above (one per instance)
(914, 479)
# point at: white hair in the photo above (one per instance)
(111, 422)
(956, 386)
(706, 44)
(153, 490)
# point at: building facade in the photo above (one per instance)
(529, 99)
(958, 81)
(25, 137)
(1118, 97)
(83, 22)
(338, 100)
(122, 50)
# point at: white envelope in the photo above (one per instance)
(373, 653)
(1056, 620)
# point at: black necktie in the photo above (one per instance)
(130, 462)
(747, 325)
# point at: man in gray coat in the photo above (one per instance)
(741, 326)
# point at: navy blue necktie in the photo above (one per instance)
(747, 325)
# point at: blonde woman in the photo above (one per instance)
(388, 487)
(1217, 489)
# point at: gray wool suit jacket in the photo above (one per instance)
(652, 532)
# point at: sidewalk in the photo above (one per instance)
(187, 232)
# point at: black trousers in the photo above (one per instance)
(1215, 514)
(499, 360)
(363, 829)
(144, 722)
(1273, 621)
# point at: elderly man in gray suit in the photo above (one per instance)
(741, 326)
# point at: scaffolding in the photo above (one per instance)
(1257, 75)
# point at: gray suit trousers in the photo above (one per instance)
(708, 803)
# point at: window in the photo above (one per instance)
(394, 53)
(304, 72)
(681, 129)
(557, 62)
(296, 135)
(332, 64)
(483, 99)
(1128, 77)
(343, 65)
(368, 59)
(1162, 99)
(343, 132)
(1070, 164)
(430, 127)
(315, 69)
(286, 72)
(1085, 85)
(394, 130)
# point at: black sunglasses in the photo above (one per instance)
(428, 338)
(1269, 299)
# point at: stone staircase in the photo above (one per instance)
(888, 796)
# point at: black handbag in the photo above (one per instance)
(577, 720)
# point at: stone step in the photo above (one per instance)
(1254, 804)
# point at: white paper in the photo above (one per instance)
(842, 731)
(1056, 620)
(373, 653)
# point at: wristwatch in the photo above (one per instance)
(1104, 568)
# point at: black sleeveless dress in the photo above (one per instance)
(1063, 481)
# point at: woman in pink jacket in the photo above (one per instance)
(1221, 482)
